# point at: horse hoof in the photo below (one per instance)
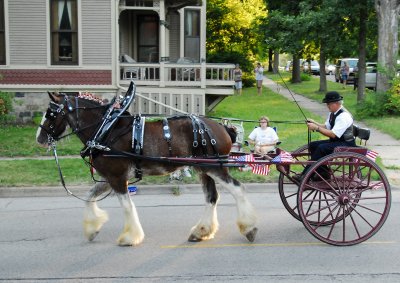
(92, 236)
(193, 238)
(251, 236)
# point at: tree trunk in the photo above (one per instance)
(322, 74)
(362, 53)
(276, 61)
(296, 69)
(388, 44)
(270, 54)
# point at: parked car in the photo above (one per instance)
(315, 69)
(352, 63)
(370, 75)
(330, 69)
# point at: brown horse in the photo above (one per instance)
(84, 116)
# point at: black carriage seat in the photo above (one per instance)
(362, 134)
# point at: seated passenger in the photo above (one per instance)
(263, 137)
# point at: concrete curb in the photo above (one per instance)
(58, 191)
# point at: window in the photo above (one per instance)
(2, 35)
(192, 34)
(64, 32)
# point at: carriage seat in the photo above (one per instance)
(362, 134)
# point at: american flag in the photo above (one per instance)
(282, 157)
(244, 158)
(260, 169)
(371, 155)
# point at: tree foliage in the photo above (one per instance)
(232, 28)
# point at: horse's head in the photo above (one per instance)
(54, 121)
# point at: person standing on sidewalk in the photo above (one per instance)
(237, 75)
(345, 71)
(259, 72)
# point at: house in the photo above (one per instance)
(101, 45)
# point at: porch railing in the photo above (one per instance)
(173, 74)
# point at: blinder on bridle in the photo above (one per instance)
(52, 113)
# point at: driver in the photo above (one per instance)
(338, 127)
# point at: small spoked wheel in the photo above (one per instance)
(344, 199)
(287, 189)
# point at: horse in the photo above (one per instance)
(84, 116)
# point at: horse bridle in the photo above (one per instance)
(52, 113)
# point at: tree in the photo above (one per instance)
(388, 44)
(232, 27)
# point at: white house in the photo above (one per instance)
(101, 45)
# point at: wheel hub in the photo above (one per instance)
(344, 199)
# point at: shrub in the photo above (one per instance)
(248, 80)
(6, 107)
(305, 77)
(392, 104)
(373, 105)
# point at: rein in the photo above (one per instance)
(52, 143)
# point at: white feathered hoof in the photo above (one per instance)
(130, 238)
(202, 232)
(91, 227)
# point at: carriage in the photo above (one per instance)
(344, 207)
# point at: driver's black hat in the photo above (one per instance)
(332, 96)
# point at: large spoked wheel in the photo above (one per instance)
(288, 189)
(351, 199)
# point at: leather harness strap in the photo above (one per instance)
(137, 141)
(200, 127)
(167, 134)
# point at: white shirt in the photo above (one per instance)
(267, 136)
(342, 122)
(259, 74)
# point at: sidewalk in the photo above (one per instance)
(387, 147)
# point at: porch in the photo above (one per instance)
(189, 87)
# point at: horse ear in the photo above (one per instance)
(54, 97)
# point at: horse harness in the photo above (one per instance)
(199, 128)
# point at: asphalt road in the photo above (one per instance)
(41, 240)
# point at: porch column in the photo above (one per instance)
(203, 38)
(163, 43)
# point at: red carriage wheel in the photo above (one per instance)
(351, 199)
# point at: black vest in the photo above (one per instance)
(348, 134)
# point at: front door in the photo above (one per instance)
(148, 38)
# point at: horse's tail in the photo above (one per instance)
(231, 130)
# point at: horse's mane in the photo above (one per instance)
(91, 97)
